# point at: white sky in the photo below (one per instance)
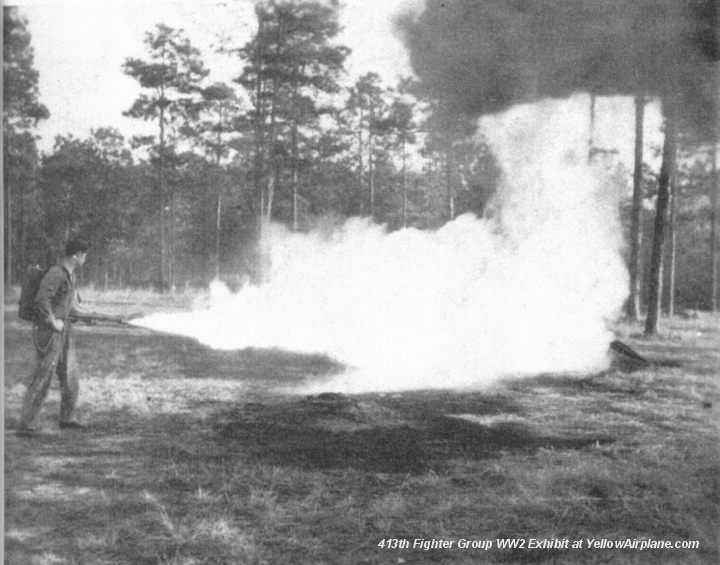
(80, 46)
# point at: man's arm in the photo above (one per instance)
(79, 314)
(75, 309)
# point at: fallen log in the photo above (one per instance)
(627, 356)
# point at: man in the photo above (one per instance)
(56, 301)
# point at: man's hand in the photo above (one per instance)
(58, 325)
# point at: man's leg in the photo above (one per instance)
(69, 387)
(48, 348)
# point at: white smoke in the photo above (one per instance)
(531, 290)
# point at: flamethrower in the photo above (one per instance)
(92, 319)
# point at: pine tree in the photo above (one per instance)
(22, 111)
(216, 131)
(171, 79)
(667, 170)
(292, 64)
(367, 107)
(633, 303)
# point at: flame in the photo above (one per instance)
(530, 289)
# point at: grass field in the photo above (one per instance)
(194, 456)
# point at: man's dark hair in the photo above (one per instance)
(76, 245)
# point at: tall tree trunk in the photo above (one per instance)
(273, 178)
(218, 218)
(261, 148)
(162, 226)
(591, 133)
(8, 233)
(260, 117)
(361, 170)
(273, 187)
(714, 190)
(404, 183)
(273, 183)
(171, 242)
(170, 225)
(633, 303)
(448, 186)
(294, 151)
(666, 171)
(371, 176)
(218, 194)
(672, 233)
(294, 178)
(21, 251)
(163, 188)
(360, 164)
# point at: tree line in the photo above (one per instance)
(287, 141)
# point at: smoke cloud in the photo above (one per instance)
(529, 290)
(482, 56)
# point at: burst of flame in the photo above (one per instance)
(529, 291)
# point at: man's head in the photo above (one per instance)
(76, 248)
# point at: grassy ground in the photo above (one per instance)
(194, 457)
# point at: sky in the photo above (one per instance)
(80, 47)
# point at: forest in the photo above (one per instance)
(289, 142)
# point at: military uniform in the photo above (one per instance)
(56, 296)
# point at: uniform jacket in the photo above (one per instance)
(56, 294)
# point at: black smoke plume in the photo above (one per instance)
(481, 56)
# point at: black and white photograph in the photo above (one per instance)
(383, 282)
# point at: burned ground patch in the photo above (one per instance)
(386, 435)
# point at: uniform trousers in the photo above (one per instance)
(53, 352)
